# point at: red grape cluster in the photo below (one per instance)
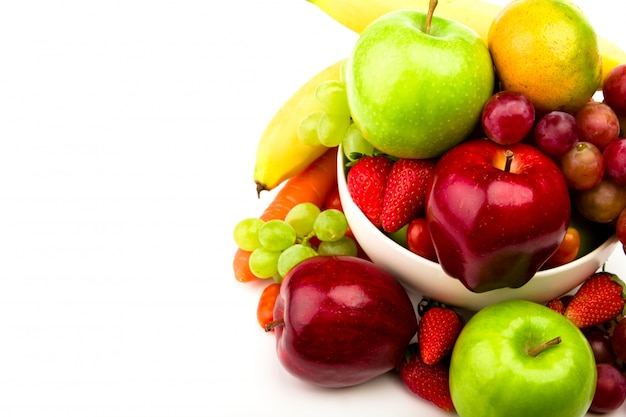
(589, 146)
(609, 348)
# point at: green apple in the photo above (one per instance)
(517, 359)
(416, 91)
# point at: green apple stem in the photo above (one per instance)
(272, 324)
(540, 348)
(429, 17)
(509, 159)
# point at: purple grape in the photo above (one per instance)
(610, 389)
(615, 160)
(597, 123)
(601, 346)
(614, 89)
(507, 117)
(556, 133)
(619, 340)
(583, 166)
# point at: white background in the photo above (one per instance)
(127, 138)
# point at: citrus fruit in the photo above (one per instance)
(547, 50)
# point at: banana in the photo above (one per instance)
(357, 14)
(477, 14)
(280, 153)
(612, 55)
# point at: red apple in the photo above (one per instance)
(341, 321)
(496, 213)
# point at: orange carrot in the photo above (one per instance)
(311, 185)
(241, 266)
(267, 301)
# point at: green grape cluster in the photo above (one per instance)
(276, 246)
(333, 126)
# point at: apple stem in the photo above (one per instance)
(269, 326)
(540, 348)
(509, 159)
(429, 17)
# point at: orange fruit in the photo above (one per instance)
(547, 50)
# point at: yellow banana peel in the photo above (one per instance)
(357, 14)
(612, 55)
(280, 153)
(477, 14)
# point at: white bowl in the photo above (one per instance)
(422, 277)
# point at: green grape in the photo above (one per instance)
(292, 256)
(331, 129)
(277, 235)
(246, 233)
(400, 236)
(301, 217)
(263, 262)
(331, 94)
(330, 225)
(344, 246)
(342, 71)
(354, 145)
(307, 130)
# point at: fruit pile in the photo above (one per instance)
(597, 308)
(491, 179)
(589, 155)
(561, 162)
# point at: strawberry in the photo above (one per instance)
(405, 192)
(556, 305)
(560, 304)
(366, 184)
(599, 299)
(430, 382)
(438, 330)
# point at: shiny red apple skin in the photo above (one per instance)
(494, 228)
(346, 321)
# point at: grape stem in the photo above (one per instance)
(543, 346)
(305, 239)
(429, 17)
(509, 159)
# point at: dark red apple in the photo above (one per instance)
(341, 321)
(496, 213)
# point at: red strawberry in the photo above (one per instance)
(430, 382)
(556, 305)
(438, 330)
(405, 192)
(366, 184)
(598, 300)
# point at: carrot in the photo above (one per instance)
(241, 266)
(311, 185)
(267, 301)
